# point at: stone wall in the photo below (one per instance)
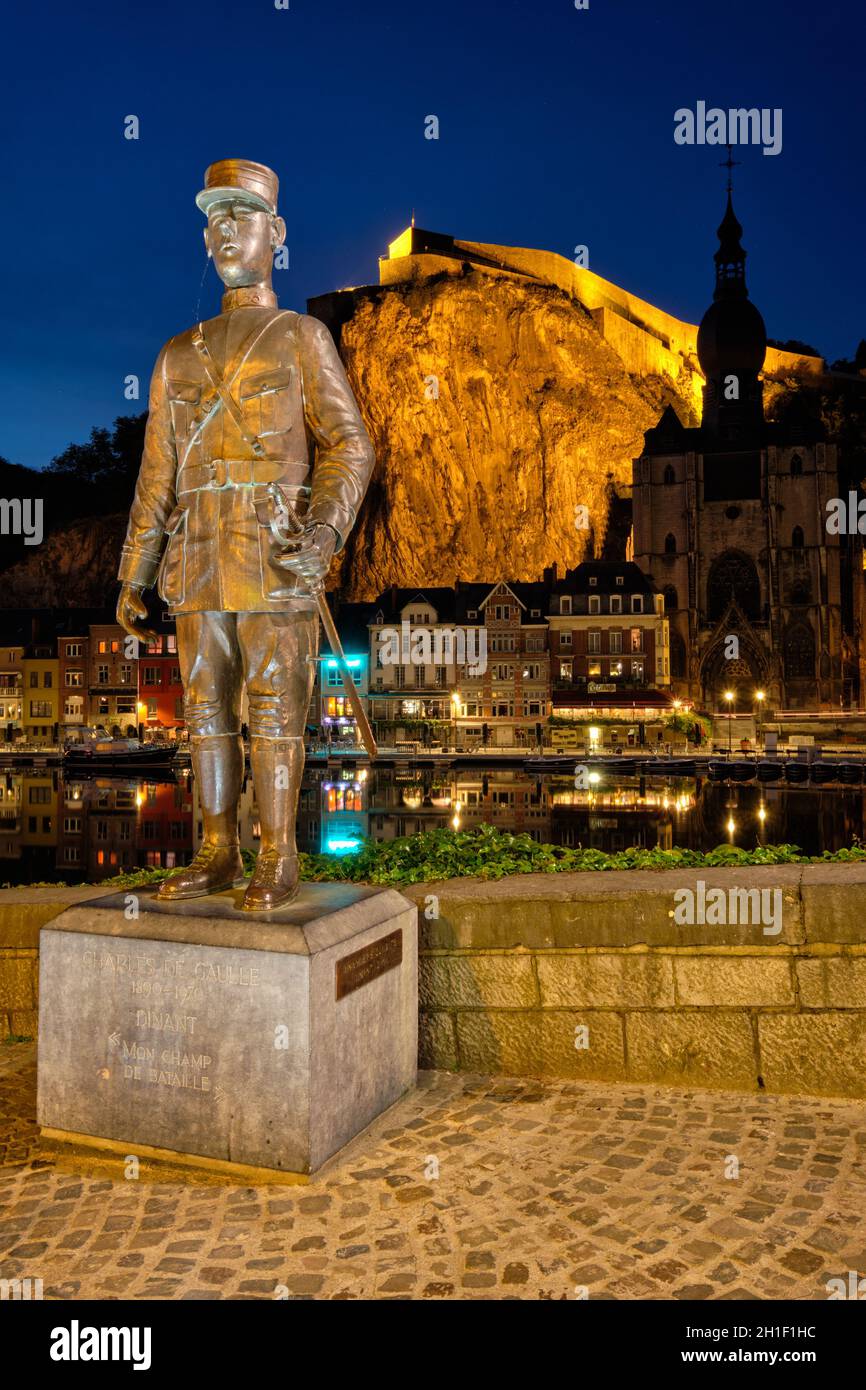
(514, 973)
(22, 912)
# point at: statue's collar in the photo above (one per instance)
(248, 295)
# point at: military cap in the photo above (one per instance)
(239, 178)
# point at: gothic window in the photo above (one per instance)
(670, 475)
(797, 540)
(678, 655)
(799, 653)
(670, 594)
(670, 544)
(733, 573)
(796, 466)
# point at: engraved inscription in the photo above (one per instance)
(155, 987)
(365, 965)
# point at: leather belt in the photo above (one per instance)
(217, 474)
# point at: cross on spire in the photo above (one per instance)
(729, 164)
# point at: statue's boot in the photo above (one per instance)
(218, 766)
(277, 767)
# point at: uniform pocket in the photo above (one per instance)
(184, 398)
(171, 581)
(277, 583)
(266, 401)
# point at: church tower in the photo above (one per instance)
(732, 344)
(729, 520)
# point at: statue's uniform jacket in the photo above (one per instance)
(201, 515)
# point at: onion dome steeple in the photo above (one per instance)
(730, 258)
(732, 340)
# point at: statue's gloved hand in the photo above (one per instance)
(131, 611)
(310, 555)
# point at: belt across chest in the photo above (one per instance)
(216, 474)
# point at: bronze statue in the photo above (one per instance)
(238, 407)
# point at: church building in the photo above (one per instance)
(730, 522)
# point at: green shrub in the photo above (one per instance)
(490, 853)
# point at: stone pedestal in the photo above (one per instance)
(195, 1029)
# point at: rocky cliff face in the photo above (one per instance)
(72, 568)
(504, 425)
(502, 422)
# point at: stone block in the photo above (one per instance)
(598, 981)
(197, 1029)
(833, 896)
(832, 982)
(542, 1043)
(618, 909)
(23, 1023)
(713, 1049)
(437, 1040)
(477, 981)
(817, 1054)
(734, 981)
(17, 980)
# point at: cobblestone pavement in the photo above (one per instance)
(542, 1187)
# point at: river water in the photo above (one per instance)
(84, 829)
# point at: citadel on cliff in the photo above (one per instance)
(525, 387)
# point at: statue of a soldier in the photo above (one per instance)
(251, 419)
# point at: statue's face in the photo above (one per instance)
(242, 240)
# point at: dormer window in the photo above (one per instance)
(619, 580)
(593, 581)
(637, 603)
(595, 604)
(472, 612)
(565, 603)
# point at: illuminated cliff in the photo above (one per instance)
(496, 410)
(503, 388)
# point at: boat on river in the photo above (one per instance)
(93, 748)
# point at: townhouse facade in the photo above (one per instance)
(73, 654)
(471, 667)
(610, 654)
(160, 689)
(512, 655)
(467, 665)
(113, 678)
(39, 725)
(11, 691)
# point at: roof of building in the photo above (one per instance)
(464, 604)
(605, 574)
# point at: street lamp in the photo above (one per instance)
(455, 711)
(760, 697)
(729, 696)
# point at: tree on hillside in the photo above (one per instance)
(106, 467)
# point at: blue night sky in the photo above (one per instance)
(556, 128)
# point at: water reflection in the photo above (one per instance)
(85, 829)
